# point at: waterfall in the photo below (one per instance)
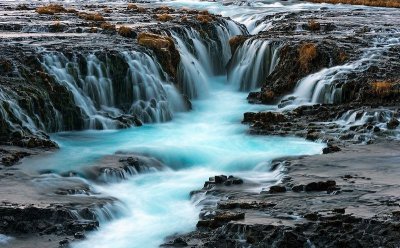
(67, 73)
(106, 99)
(360, 117)
(13, 115)
(252, 63)
(194, 66)
(19, 113)
(325, 86)
(203, 57)
(153, 99)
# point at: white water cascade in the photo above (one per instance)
(252, 62)
(198, 55)
(377, 117)
(321, 87)
(13, 115)
(146, 93)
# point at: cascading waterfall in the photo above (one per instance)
(252, 63)
(191, 73)
(13, 115)
(145, 89)
(378, 117)
(153, 99)
(322, 87)
(68, 74)
(198, 55)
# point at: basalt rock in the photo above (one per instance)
(164, 48)
(393, 123)
(277, 189)
(42, 220)
(320, 186)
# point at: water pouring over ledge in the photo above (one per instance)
(208, 141)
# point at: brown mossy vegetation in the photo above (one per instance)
(376, 3)
(134, 7)
(385, 88)
(155, 41)
(236, 41)
(205, 19)
(314, 25)
(164, 48)
(50, 9)
(184, 19)
(307, 53)
(343, 56)
(163, 10)
(268, 96)
(125, 31)
(96, 17)
(107, 26)
(164, 17)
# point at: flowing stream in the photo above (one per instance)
(209, 140)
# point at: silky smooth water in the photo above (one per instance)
(207, 141)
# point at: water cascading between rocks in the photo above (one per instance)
(252, 62)
(325, 86)
(108, 99)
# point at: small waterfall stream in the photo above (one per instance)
(321, 86)
(143, 93)
(252, 62)
(13, 115)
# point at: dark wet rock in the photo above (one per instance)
(277, 189)
(222, 180)
(393, 123)
(320, 186)
(264, 117)
(79, 235)
(17, 220)
(220, 219)
(121, 166)
(178, 242)
(331, 149)
(311, 216)
(298, 188)
(236, 41)
(339, 210)
(64, 242)
(244, 205)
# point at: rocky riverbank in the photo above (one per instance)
(345, 199)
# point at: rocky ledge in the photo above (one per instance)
(347, 199)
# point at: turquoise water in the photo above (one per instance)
(207, 141)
